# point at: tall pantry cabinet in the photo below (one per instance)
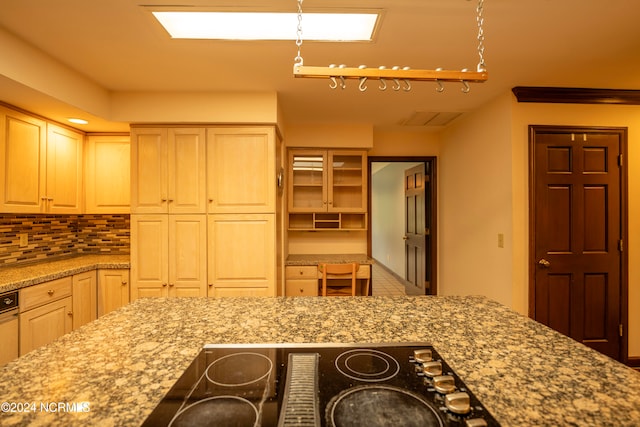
(203, 211)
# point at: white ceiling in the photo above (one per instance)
(116, 43)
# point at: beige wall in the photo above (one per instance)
(525, 114)
(475, 207)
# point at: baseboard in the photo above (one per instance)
(391, 272)
(634, 362)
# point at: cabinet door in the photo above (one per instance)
(113, 290)
(347, 181)
(64, 170)
(149, 255)
(23, 162)
(9, 334)
(43, 324)
(241, 175)
(241, 254)
(307, 181)
(187, 255)
(85, 298)
(149, 174)
(187, 177)
(107, 174)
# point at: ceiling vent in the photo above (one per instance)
(421, 118)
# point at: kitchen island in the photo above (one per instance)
(115, 370)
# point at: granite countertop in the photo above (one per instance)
(122, 364)
(12, 278)
(315, 259)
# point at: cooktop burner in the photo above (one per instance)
(284, 385)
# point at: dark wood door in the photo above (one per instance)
(415, 230)
(577, 234)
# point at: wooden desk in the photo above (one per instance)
(302, 277)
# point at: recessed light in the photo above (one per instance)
(329, 26)
(78, 121)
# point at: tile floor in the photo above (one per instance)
(384, 283)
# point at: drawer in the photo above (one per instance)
(43, 293)
(301, 288)
(301, 272)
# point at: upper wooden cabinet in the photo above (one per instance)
(168, 170)
(241, 175)
(327, 181)
(107, 174)
(41, 167)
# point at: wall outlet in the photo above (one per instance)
(24, 240)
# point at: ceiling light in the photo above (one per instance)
(78, 121)
(267, 25)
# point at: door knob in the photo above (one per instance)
(405, 238)
(543, 262)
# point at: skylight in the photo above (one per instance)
(268, 25)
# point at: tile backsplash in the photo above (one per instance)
(57, 236)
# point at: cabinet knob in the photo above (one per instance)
(301, 272)
(69, 313)
(164, 284)
(171, 284)
(301, 290)
(124, 282)
(211, 285)
(50, 292)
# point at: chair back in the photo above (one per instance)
(338, 271)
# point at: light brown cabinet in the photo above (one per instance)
(168, 170)
(301, 281)
(113, 290)
(107, 174)
(46, 312)
(241, 175)
(42, 167)
(9, 334)
(327, 190)
(168, 256)
(241, 252)
(85, 298)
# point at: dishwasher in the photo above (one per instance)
(8, 327)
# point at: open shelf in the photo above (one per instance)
(327, 221)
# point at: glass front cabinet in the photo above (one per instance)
(329, 187)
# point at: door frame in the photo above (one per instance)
(624, 223)
(431, 260)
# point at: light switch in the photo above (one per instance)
(24, 240)
(500, 240)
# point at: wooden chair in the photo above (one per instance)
(339, 271)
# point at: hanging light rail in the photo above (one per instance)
(394, 74)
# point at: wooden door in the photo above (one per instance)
(113, 290)
(64, 170)
(85, 298)
(186, 168)
(149, 176)
(107, 174)
(241, 170)
(577, 234)
(307, 181)
(347, 181)
(415, 231)
(23, 162)
(149, 256)
(44, 324)
(187, 255)
(241, 255)
(9, 333)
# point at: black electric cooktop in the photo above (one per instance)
(319, 385)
